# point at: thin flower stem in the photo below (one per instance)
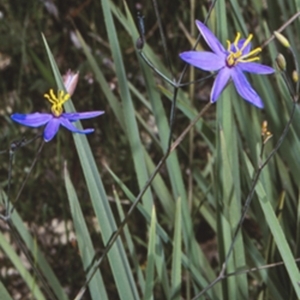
(297, 70)
(162, 36)
(285, 25)
(255, 269)
(241, 272)
(288, 84)
(169, 81)
(196, 81)
(172, 115)
(29, 173)
(12, 150)
(116, 234)
(148, 62)
(174, 103)
(176, 84)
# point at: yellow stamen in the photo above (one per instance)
(228, 45)
(235, 43)
(57, 101)
(237, 56)
(248, 40)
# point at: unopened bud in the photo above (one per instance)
(264, 127)
(70, 81)
(265, 133)
(282, 39)
(295, 76)
(281, 62)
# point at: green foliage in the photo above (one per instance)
(168, 240)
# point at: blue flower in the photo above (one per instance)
(230, 63)
(56, 118)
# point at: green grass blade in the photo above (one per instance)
(87, 252)
(263, 275)
(40, 260)
(149, 285)
(131, 131)
(161, 190)
(176, 255)
(4, 295)
(130, 244)
(161, 267)
(231, 210)
(160, 231)
(111, 98)
(19, 265)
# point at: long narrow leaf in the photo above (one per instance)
(148, 293)
(176, 255)
(16, 261)
(87, 252)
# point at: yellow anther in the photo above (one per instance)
(237, 56)
(248, 40)
(228, 45)
(237, 38)
(57, 101)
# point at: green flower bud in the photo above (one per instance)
(281, 62)
(295, 76)
(282, 39)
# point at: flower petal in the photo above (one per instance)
(66, 123)
(255, 68)
(244, 88)
(219, 83)
(210, 39)
(51, 129)
(83, 115)
(32, 120)
(207, 61)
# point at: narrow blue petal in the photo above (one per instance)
(83, 115)
(210, 39)
(244, 88)
(255, 68)
(207, 61)
(51, 129)
(32, 120)
(219, 83)
(66, 123)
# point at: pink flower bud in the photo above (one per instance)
(70, 81)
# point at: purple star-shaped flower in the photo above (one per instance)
(230, 63)
(57, 117)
